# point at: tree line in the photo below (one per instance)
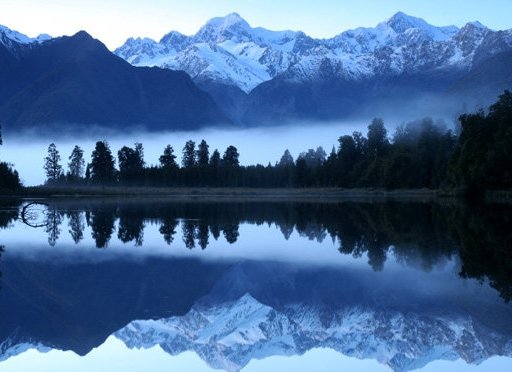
(417, 156)
(420, 154)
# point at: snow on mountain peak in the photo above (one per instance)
(15, 36)
(8, 37)
(220, 29)
(400, 22)
(228, 50)
(226, 22)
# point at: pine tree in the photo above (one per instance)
(203, 154)
(102, 164)
(189, 155)
(377, 137)
(215, 159)
(76, 164)
(286, 160)
(168, 159)
(52, 167)
(230, 158)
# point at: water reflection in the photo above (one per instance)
(416, 301)
(414, 233)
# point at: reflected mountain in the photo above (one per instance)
(416, 301)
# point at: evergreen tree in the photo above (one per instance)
(168, 159)
(215, 159)
(102, 164)
(483, 160)
(131, 163)
(230, 157)
(189, 155)
(52, 165)
(203, 155)
(76, 164)
(377, 137)
(286, 160)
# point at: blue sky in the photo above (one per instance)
(112, 21)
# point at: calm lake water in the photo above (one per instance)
(155, 284)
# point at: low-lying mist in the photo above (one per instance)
(255, 145)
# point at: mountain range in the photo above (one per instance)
(258, 75)
(230, 72)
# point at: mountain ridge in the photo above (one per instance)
(260, 54)
(73, 82)
(254, 76)
(277, 76)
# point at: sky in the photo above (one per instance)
(113, 21)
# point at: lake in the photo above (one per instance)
(254, 285)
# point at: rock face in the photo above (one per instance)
(72, 83)
(289, 75)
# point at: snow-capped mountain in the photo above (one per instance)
(225, 49)
(227, 336)
(11, 38)
(228, 50)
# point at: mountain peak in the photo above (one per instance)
(7, 34)
(400, 22)
(220, 29)
(476, 24)
(227, 21)
(82, 35)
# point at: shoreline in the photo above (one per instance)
(271, 193)
(276, 194)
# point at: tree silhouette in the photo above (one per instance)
(215, 159)
(52, 165)
(102, 164)
(286, 159)
(168, 159)
(377, 137)
(189, 155)
(203, 155)
(76, 163)
(230, 157)
(131, 163)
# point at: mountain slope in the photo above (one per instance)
(288, 75)
(76, 80)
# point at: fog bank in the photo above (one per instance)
(255, 145)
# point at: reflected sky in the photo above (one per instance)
(119, 358)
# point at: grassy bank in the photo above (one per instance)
(185, 192)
